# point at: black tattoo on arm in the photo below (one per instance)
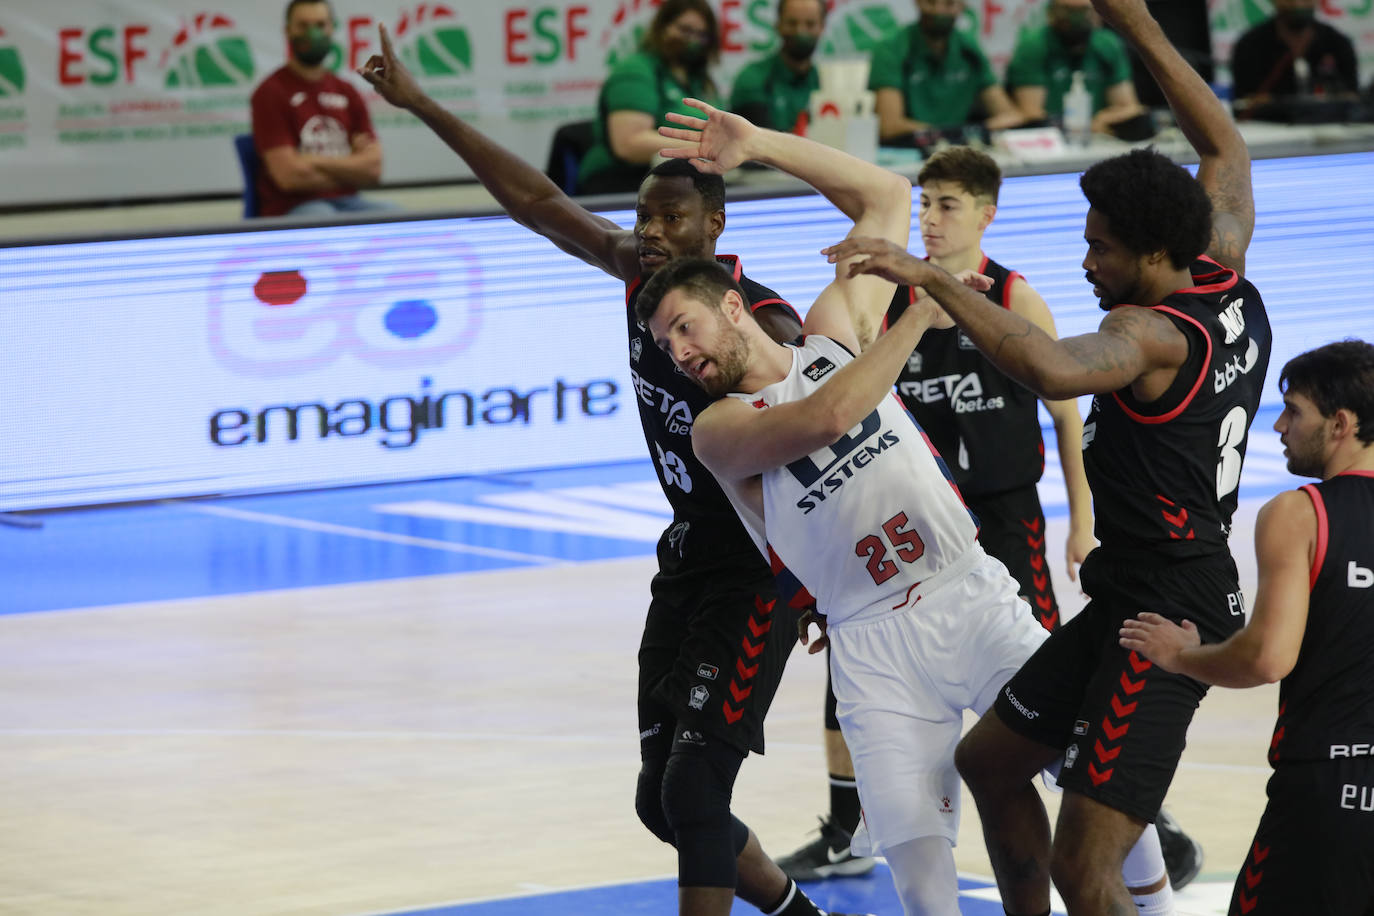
(1233, 214)
(1019, 334)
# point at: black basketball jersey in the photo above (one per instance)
(1326, 703)
(668, 404)
(985, 425)
(1164, 475)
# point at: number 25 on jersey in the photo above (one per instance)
(905, 543)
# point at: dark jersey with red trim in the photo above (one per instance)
(985, 425)
(668, 404)
(1164, 475)
(1326, 703)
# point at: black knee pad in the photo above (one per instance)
(697, 785)
(649, 798)
(832, 721)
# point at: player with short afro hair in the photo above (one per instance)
(1151, 204)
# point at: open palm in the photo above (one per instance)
(717, 143)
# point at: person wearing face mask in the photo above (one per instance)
(1292, 55)
(311, 128)
(932, 75)
(774, 90)
(1045, 60)
(682, 41)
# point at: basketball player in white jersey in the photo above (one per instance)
(837, 484)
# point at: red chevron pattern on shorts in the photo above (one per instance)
(760, 622)
(1116, 723)
(1042, 601)
(1248, 887)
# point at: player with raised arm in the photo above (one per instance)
(838, 487)
(715, 636)
(1177, 366)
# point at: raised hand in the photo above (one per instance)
(1115, 13)
(881, 258)
(717, 143)
(1158, 638)
(385, 73)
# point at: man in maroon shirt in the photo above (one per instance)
(311, 128)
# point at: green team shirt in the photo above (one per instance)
(939, 91)
(640, 82)
(769, 82)
(1040, 59)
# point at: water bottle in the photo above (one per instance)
(1078, 112)
(1302, 76)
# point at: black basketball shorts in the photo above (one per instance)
(1313, 851)
(715, 642)
(1121, 720)
(1012, 529)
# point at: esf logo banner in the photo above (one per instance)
(433, 42)
(208, 50)
(277, 311)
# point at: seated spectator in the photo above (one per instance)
(1292, 56)
(1072, 39)
(928, 75)
(311, 128)
(682, 41)
(774, 90)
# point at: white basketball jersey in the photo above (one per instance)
(866, 520)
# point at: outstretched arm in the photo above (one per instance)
(523, 191)
(1267, 647)
(1225, 161)
(737, 440)
(878, 201)
(1068, 432)
(1129, 342)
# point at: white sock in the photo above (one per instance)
(1160, 903)
(1144, 864)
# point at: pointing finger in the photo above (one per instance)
(387, 53)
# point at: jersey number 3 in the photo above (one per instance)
(1232, 438)
(907, 544)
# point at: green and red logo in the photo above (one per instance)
(855, 26)
(432, 42)
(623, 35)
(11, 69)
(208, 51)
(1236, 15)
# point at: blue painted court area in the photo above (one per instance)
(204, 547)
(872, 893)
(196, 548)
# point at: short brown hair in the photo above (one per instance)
(704, 279)
(976, 172)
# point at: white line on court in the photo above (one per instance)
(349, 531)
(352, 735)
